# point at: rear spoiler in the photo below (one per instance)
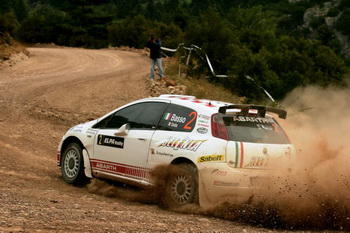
(261, 110)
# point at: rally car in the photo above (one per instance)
(221, 149)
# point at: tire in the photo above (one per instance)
(72, 165)
(182, 186)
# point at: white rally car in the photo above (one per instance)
(221, 149)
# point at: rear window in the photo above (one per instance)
(254, 129)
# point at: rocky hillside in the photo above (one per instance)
(329, 14)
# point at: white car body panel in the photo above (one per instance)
(226, 168)
(122, 155)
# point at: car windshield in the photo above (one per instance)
(254, 129)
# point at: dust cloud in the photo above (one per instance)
(149, 195)
(315, 193)
(312, 192)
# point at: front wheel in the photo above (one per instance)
(182, 186)
(73, 165)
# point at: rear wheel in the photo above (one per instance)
(73, 165)
(182, 186)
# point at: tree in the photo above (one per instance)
(213, 38)
(5, 5)
(44, 25)
(129, 32)
(21, 9)
(8, 23)
(342, 23)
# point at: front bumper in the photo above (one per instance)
(222, 184)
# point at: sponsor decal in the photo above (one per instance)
(207, 118)
(265, 127)
(211, 158)
(253, 119)
(167, 116)
(106, 166)
(77, 129)
(174, 118)
(182, 144)
(226, 183)
(203, 125)
(120, 169)
(176, 121)
(164, 154)
(111, 141)
(202, 130)
(188, 126)
(217, 172)
(239, 154)
(258, 161)
(203, 121)
(172, 124)
(92, 131)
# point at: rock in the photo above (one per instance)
(165, 86)
(169, 82)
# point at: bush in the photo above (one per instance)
(44, 25)
(342, 23)
(8, 23)
(131, 32)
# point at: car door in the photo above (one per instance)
(126, 155)
(174, 137)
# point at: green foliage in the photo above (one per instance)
(343, 22)
(292, 63)
(213, 38)
(344, 4)
(170, 34)
(317, 22)
(261, 39)
(253, 18)
(21, 9)
(134, 32)
(43, 25)
(129, 32)
(8, 23)
(292, 15)
(12, 12)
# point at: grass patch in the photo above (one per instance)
(203, 89)
(200, 87)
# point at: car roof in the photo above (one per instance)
(207, 106)
(211, 106)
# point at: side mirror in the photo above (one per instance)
(123, 130)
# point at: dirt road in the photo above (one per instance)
(41, 98)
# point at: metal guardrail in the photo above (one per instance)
(206, 59)
(196, 49)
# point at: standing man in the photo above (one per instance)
(154, 45)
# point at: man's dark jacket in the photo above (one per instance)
(154, 48)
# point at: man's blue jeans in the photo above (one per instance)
(160, 67)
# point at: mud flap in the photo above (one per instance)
(87, 166)
(203, 197)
